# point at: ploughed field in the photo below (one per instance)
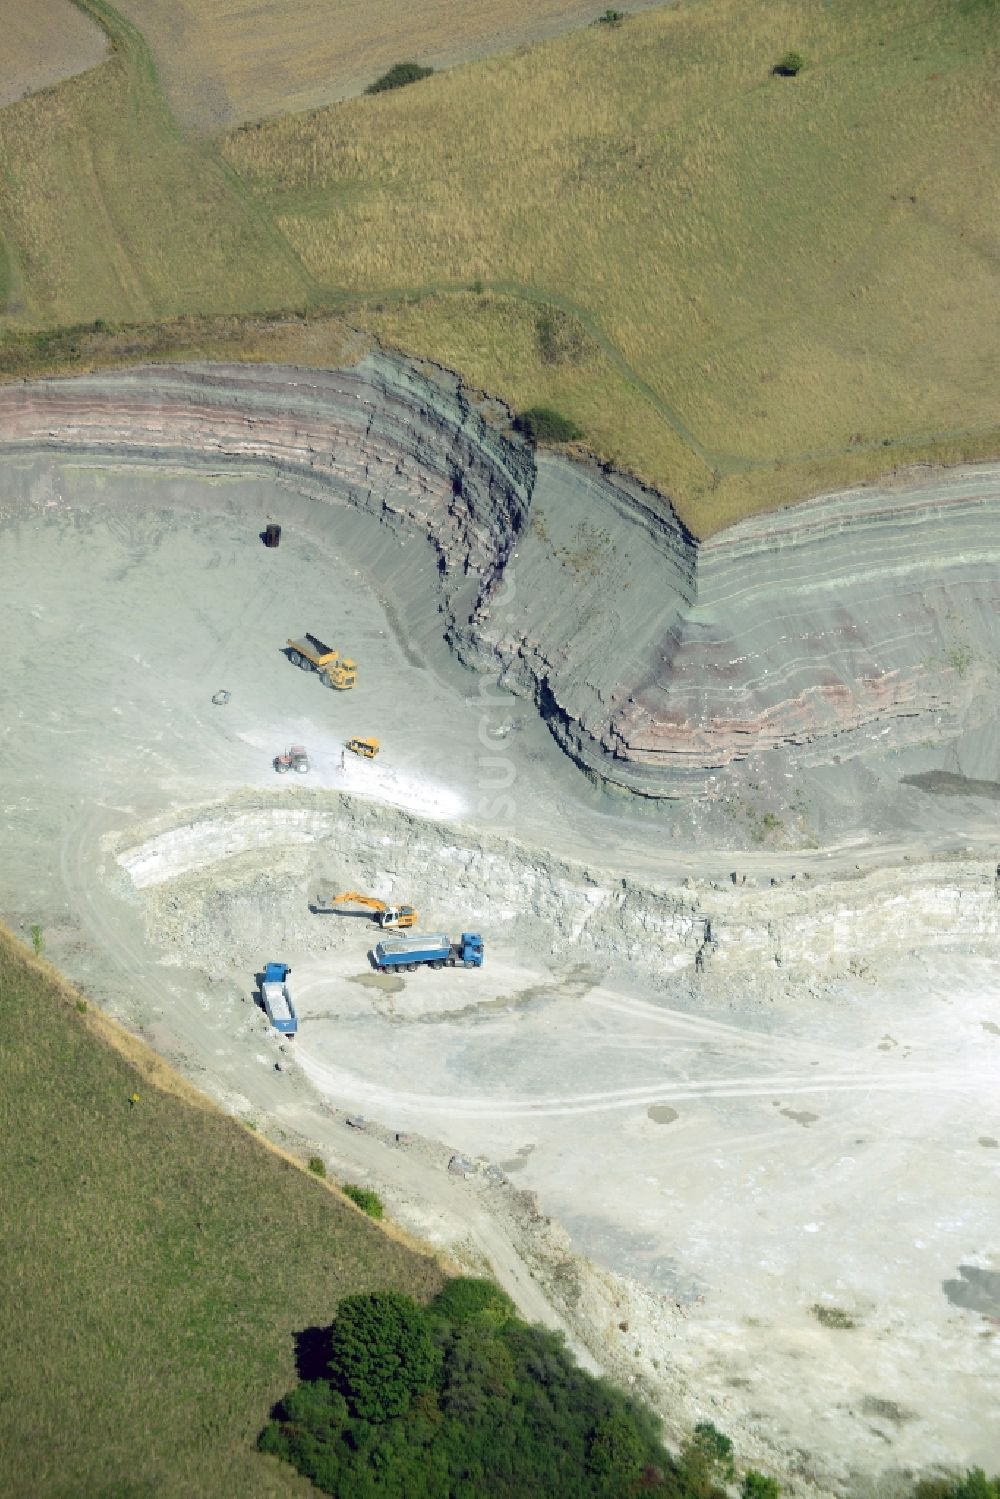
(224, 62)
(44, 43)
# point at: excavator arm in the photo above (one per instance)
(384, 914)
(354, 898)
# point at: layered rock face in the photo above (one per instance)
(849, 620)
(206, 890)
(814, 634)
(406, 445)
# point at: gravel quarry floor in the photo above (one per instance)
(771, 1205)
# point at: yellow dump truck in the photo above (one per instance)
(366, 748)
(334, 669)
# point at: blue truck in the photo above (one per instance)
(276, 996)
(411, 950)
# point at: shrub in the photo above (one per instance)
(398, 77)
(611, 18)
(715, 1446)
(758, 1486)
(317, 1165)
(81, 1007)
(382, 1353)
(559, 337)
(789, 65)
(542, 424)
(466, 1299)
(974, 1485)
(615, 1447)
(833, 1316)
(363, 1197)
(37, 940)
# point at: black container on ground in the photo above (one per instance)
(271, 534)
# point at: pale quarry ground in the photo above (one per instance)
(764, 1193)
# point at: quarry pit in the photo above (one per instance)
(722, 1103)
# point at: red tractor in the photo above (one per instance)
(293, 759)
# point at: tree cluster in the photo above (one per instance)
(461, 1400)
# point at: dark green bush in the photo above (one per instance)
(317, 1165)
(382, 1353)
(399, 76)
(368, 1201)
(714, 1446)
(466, 1300)
(758, 1486)
(973, 1485)
(611, 18)
(542, 424)
(789, 65)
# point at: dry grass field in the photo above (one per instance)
(108, 212)
(156, 1262)
(744, 288)
(784, 274)
(226, 61)
(43, 42)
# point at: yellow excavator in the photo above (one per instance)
(383, 914)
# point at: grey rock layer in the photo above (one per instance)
(851, 622)
(205, 890)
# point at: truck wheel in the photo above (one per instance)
(438, 963)
(281, 769)
(412, 967)
(469, 963)
(295, 658)
(450, 962)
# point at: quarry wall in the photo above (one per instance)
(205, 889)
(660, 663)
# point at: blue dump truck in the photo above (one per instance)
(411, 950)
(276, 995)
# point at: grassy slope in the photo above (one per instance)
(156, 1260)
(795, 269)
(115, 215)
(745, 289)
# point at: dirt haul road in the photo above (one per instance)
(739, 1137)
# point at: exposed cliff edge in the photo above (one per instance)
(661, 663)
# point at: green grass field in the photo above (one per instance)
(745, 289)
(157, 1260)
